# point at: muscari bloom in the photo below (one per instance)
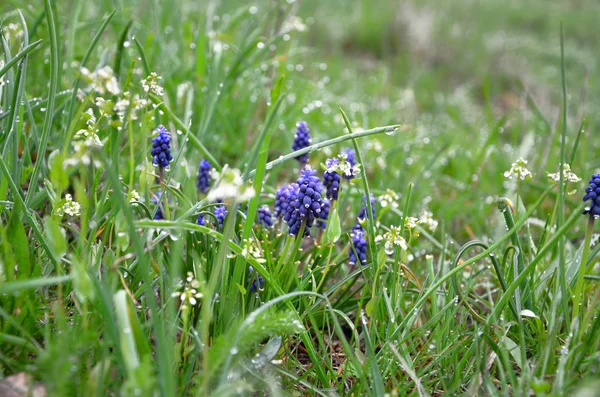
(264, 216)
(200, 220)
(358, 249)
(156, 198)
(305, 203)
(256, 280)
(302, 140)
(362, 215)
(282, 198)
(324, 214)
(220, 214)
(161, 148)
(331, 178)
(592, 193)
(204, 178)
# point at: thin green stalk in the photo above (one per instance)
(578, 294)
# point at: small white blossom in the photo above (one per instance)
(250, 249)
(101, 80)
(568, 176)
(519, 170)
(341, 165)
(70, 207)
(188, 292)
(426, 218)
(389, 198)
(150, 84)
(293, 23)
(411, 222)
(12, 31)
(393, 238)
(230, 185)
(134, 197)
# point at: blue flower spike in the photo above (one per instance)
(305, 203)
(161, 148)
(592, 194)
(203, 180)
(301, 141)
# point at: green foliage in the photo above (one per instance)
(459, 295)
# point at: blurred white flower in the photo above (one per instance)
(250, 249)
(393, 238)
(389, 198)
(230, 185)
(12, 31)
(188, 291)
(293, 23)
(426, 218)
(568, 176)
(150, 84)
(101, 80)
(519, 170)
(70, 207)
(411, 222)
(134, 197)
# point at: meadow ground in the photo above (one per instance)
(129, 266)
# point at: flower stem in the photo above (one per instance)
(577, 299)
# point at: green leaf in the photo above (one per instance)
(241, 288)
(55, 237)
(276, 91)
(334, 231)
(19, 241)
(371, 305)
(58, 175)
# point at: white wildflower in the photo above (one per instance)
(393, 238)
(341, 165)
(150, 84)
(12, 31)
(134, 197)
(230, 185)
(568, 176)
(519, 170)
(426, 218)
(134, 104)
(188, 292)
(101, 80)
(293, 23)
(411, 222)
(389, 198)
(69, 207)
(250, 249)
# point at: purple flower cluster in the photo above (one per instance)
(305, 203)
(324, 215)
(161, 148)
(331, 179)
(282, 199)
(302, 140)
(256, 281)
(203, 180)
(362, 215)
(264, 217)
(157, 200)
(350, 158)
(592, 193)
(220, 214)
(358, 248)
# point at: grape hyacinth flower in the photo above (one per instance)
(220, 214)
(331, 178)
(358, 249)
(264, 217)
(324, 214)
(305, 203)
(282, 198)
(302, 140)
(161, 148)
(203, 180)
(201, 221)
(362, 215)
(592, 193)
(156, 199)
(257, 281)
(351, 159)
